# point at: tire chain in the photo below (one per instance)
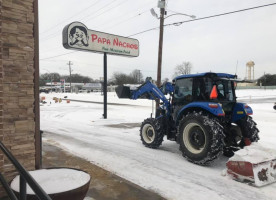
(218, 138)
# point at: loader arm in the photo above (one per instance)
(147, 90)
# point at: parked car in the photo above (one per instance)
(274, 106)
(45, 90)
(83, 91)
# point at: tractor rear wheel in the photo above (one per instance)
(201, 137)
(152, 132)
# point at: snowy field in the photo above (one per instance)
(115, 145)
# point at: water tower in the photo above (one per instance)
(250, 70)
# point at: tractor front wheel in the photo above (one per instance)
(152, 132)
(201, 137)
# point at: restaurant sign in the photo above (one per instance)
(77, 36)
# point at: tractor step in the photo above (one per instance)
(256, 165)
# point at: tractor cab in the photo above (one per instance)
(205, 87)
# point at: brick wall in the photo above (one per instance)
(17, 126)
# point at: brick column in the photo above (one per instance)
(17, 125)
(1, 97)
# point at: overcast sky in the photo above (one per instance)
(221, 44)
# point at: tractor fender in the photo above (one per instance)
(213, 108)
(240, 110)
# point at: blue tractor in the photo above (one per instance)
(200, 112)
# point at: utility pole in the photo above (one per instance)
(70, 72)
(139, 76)
(159, 67)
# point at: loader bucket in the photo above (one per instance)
(123, 92)
(254, 164)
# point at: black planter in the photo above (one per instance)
(73, 194)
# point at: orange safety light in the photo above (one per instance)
(214, 93)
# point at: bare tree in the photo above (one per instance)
(55, 77)
(77, 78)
(184, 68)
(137, 75)
(119, 78)
(48, 77)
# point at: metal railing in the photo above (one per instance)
(25, 177)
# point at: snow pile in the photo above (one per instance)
(255, 153)
(55, 180)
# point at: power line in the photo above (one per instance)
(182, 22)
(107, 10)
(124, 15)
(127, 19)
(80, 64)
(222, 14)
(144, 31)
(103, 7)
(58, 55)
(202, 18)
(55, 34)
(71, 16)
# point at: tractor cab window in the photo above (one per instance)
(183, 90)
(202, 88)
(225, 90)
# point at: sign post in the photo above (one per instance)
(62, 84)
(105, 86)
(76, 36)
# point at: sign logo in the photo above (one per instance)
(77, 36)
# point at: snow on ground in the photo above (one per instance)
(256, 93)
(97, 97)
(80, 129)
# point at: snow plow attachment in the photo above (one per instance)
(253, 165)
(259, 174)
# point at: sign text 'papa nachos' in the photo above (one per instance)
(77, 36)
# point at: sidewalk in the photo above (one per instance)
(104, 185)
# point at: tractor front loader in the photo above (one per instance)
(201, 114)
